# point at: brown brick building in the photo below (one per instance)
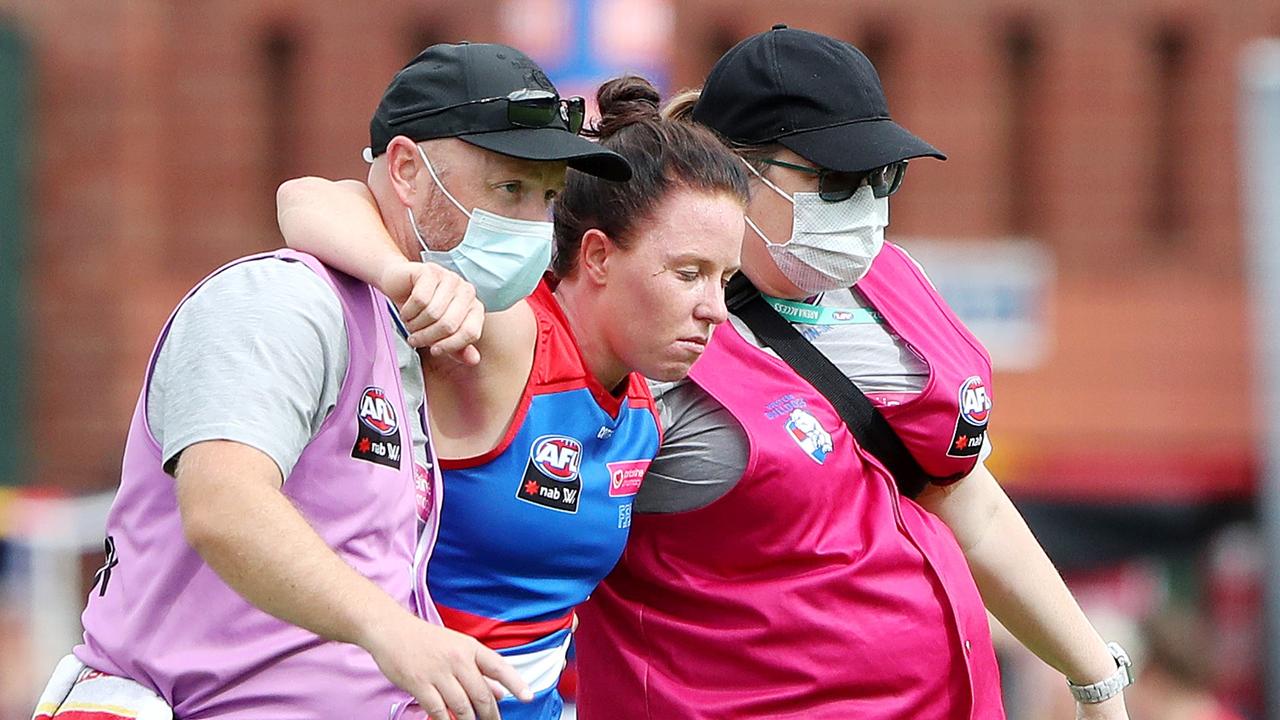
(151, 134)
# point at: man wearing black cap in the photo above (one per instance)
(260, 545)
(467, 149)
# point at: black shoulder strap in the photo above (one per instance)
(863, 419)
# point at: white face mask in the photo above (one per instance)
(504, 258)
(832, 244)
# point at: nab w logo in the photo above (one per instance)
(556, 456)
(975, 404)
(377, 412)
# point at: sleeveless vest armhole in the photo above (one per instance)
(509, 436)
(356, 288)
(284, 255)
(926, 286)
(738, 344)
(536, 379)
(943, 308)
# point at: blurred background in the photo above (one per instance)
(1096, 225)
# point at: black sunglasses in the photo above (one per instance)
(525, 108)
(835, 186)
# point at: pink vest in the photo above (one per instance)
(811, 589)
(166, 620)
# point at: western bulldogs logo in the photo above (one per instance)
(809, 435)
(971, 425)
(555, 458)
(377, 412)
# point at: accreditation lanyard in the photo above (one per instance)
(806, 314)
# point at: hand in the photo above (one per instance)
(451, 675)
(1111, 709)
(438, 307)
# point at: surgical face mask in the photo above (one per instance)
(504, 258)
(832, 244)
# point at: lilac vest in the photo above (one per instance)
(166, 620)
(811, 589)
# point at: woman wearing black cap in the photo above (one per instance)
(777, 566)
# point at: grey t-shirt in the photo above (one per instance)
(257, 355)
(704, 449)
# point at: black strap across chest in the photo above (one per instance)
(864, 420)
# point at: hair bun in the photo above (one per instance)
(625, 101)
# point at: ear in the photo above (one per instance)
(404, 168)
(593, 256)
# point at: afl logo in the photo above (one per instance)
(975, 405)
(376, 411)
(556, 456)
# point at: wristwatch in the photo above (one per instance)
(1109, 687)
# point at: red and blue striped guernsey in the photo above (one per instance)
(529, 529)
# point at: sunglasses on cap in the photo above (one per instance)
(835, 186)
(525, 108)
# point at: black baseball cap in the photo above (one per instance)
(817, 96)
(436, 94)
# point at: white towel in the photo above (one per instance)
(76, 690)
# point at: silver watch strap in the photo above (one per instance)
(1108, 687)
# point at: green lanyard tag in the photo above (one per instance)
(806, 314)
